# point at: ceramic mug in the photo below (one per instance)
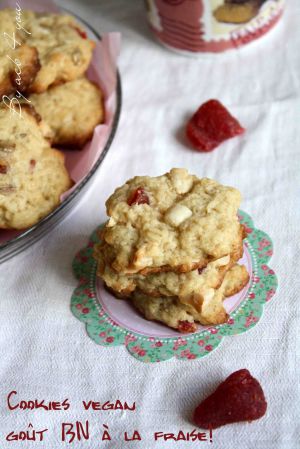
(196, 26)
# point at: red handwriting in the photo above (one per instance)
(27, 435)
(106, 436)
(78, 431)
(117, 405)
(13, 404)
(194, 435)
(135, 436)
(35, 404)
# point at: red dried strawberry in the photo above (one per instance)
(186, 327)
(138, 196)
(80, 32)
(3, 168)
(32, 164)
(211, 125)
(239, 398)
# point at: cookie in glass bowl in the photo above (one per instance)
(32, 174)
(71, 110)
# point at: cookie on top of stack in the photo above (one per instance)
(43, 60)
(171, 246)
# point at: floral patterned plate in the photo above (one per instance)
(111, 322)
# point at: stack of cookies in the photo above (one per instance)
(46, 100)
(171, 246)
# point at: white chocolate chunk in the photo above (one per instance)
(222, 261)
(144, 261)
(177, 214)
(111, 222)
(181, 180)
(209, 294)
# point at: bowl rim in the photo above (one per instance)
(30, 231)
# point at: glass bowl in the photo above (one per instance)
(13, 242)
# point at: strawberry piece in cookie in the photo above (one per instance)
(211, 125)
(239, 398)
(81, 33)
(138, 196)
(186, 327)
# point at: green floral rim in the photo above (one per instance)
(106, 332)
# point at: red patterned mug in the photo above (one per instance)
(194, 26)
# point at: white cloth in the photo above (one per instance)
(45, 351)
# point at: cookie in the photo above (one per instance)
(190, 285)
(32, 174)
(236, 281)
(64, 52)
(168, 311)
(211, 309)
(175, 222)
(183, 317)
(19, 64)
(72, 110)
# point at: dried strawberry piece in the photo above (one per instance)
(80, 32)
(244, 231)
(186, 327)
(32, 164)
(138, 196)
(3, 168)
(239, 398)
(211, 125)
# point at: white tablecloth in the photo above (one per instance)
(45, 351)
